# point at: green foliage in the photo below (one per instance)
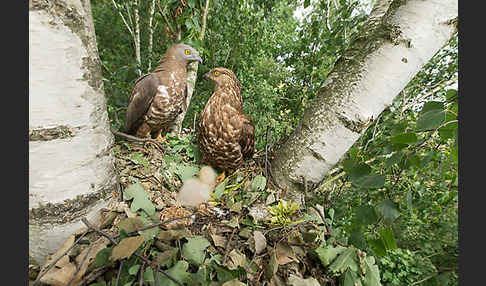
(282, 213)
(403, 267)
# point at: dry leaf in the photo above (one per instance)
(96, 246)
(63, 261)
(59, 276)
(236, 259)
(285, 254)
(218, 240)
(260, 241)
(126, 247)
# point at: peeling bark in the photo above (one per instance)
(364, 81)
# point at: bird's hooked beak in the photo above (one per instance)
(198, 58)
(206, 75)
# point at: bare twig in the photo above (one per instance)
(123, 18)
(140, 279)
(57, 259)
(133, 138)
(157, 224)
(119, 272)
(145, 259)
(156, 277)
(203, 27)
(79, 266)
(137, 38)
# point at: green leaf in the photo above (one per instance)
(370, 181)
(405, 138)
(188, 23)
(178, 271)
(139, 159)
(378, 247)
(140, 199)
(193, 249)
(372, 276)
(329, 253)
(361, 176)
(386, 235)
(388, 210)
(365, 215)
(430, 120)
(357, 239)
(134, 269)
(394, 159)
(191, 3)
(350, 278)
(346, 260)
(189, 171)
(450, 94)
(306, 3)
(224, 274)
(412, 161)
(219, 190)
(258, 183)
(103, 257)
(432, 105)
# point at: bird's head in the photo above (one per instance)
(186, 53)
(222, 77)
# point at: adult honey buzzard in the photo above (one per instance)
(226, 135)
(157, 97)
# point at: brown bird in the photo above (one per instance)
(226, 134)
(157, 97)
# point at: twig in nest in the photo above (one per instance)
(95, 273)
(229, 241)
(119, 272)
(157, 224)
(134, 138)
(145, 259)
(140, 279)
(55, 261)
(156, 277)
(79, 266)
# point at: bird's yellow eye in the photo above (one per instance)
(188, 52)
(216, 73)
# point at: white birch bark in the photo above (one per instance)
(71, 168)
(399, 38)
(137, 38)
(151, 35)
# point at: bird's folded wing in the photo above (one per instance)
(140, 99)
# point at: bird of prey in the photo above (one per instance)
(157, 97)
(226, 135)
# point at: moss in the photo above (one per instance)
(46, 134)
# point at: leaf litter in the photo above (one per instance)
(227, 241)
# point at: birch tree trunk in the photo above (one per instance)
(191, 78)
(398, 39)
(71, 169)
